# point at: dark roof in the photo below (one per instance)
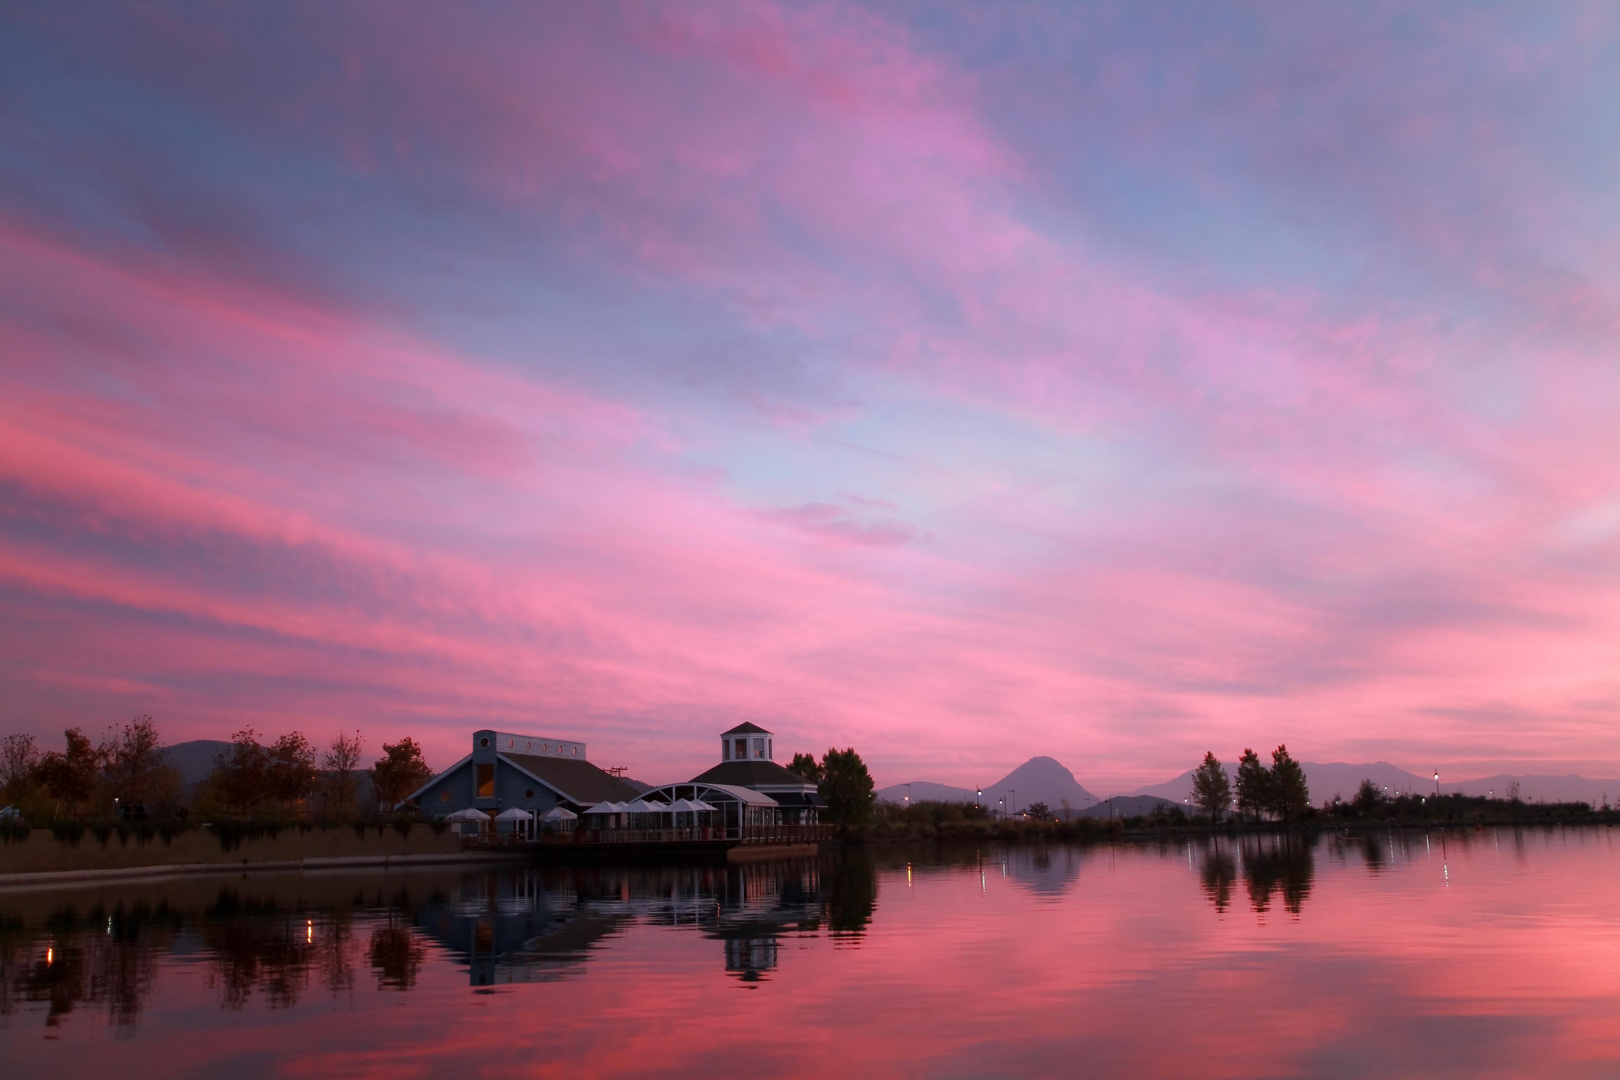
(798, 798)
(750, 774)
(579, 782)
(745, 728)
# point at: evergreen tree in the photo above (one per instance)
(1289, 795)
(1212, 791)
(847, 787)
(1253, 785)
(806, 766)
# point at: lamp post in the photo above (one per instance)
(1437, 783)
(1001, 806)
(978, 797)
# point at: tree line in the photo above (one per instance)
(1279, 791)
(126, 775)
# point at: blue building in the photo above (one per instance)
(519, 772)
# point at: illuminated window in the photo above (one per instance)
(486, 781)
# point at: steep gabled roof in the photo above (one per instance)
(751, 774)
(745, 728)
(579, 782)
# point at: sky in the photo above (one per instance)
(959, 383)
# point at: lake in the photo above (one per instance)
(1481, 953)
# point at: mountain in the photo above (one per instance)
(194, 760)
(1127, 806)
(924, 791)
(1324, 779)
(1533, 788)
(1040, 779)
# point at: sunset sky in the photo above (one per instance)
(960, 383)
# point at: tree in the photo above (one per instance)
(1290, 796)
(1039, 811)
(1368, 798)
(805, 765)
(1212, 791)
(400, 771)
(341, 760)
(19, 761)
(133, 771)
(290, 770)
(241, 776)
(1253, 784)
(70, 777)
(847, 787)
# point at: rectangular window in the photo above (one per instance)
(741, 753)
(486, 781)
(759, 748)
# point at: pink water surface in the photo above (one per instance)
(1475, 954)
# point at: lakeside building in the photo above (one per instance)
(522, 780)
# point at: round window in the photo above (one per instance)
(529, 794)
(444, 796)
(483, 742)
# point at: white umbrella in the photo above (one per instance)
(606, 807)
(513, 814)
(558, 813)
(642, 806)
(469, 814)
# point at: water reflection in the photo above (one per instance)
(1458, 954)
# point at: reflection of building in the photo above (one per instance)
(534, 925)
(524, 772)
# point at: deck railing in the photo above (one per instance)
(747, 834)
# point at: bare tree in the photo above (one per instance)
(19, 758)
(341, 761)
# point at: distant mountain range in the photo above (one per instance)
(194, 760)
(1040, 779)
(1044, 779)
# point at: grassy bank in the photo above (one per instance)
(954, 822)
(109, 847)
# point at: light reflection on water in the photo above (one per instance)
(1444, 954)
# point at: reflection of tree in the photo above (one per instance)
(396, 956)
(255, 946)
(1278, 864)
(337, 967)
(1217, 875)
(107, 959)
(1373, 852)
(851, 880)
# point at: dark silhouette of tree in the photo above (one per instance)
(1211, 791)
(241, 775)
(852, 888)
(1253, 785)
(847, 787)
(1290, 797)
(70, 777)
(290, 770)
(400, 771)
(1039, 811)
(805, 765)
(19, 766)
(341, 760)
(133, 771)
(1368, 799)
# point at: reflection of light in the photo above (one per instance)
(50, 955)
(309, 932)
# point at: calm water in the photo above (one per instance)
(1480, 954)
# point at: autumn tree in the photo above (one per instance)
(241, 774)
(1253, 785)
(400, 771)
(133, 770)
(340, 761)
(70, 776)
(19, 762)
(847, 787)
(1212, 791)
(290, 770)
(806, 766)
(1289, 795)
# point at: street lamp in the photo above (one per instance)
(1437, 783)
